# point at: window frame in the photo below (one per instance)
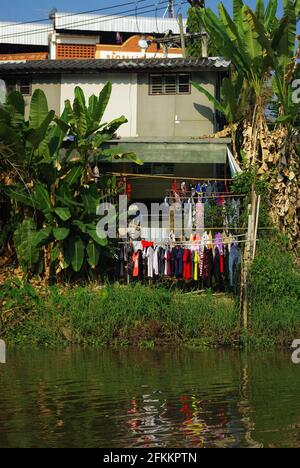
(177, 84)
(14, 84)
(19, 86)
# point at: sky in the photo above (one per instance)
(27, 10)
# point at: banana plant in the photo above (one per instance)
(260, 47)
(26, 138)
(56, 192)
(86, 131)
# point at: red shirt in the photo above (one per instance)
(187, 264)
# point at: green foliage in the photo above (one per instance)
(145, 316)
(274, 289)
(243, 184)
(55, 195)
(24, 239)
(233, 103)
(255, 42)
(135, 315)
(194, 26)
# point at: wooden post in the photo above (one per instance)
(249, 253)
(182, 39)
(256, 226)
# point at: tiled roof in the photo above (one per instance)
(71, 66)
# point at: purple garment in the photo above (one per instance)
(218, 242)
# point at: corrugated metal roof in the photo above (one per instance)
(73, 66)
(131, 23)
(25, 34)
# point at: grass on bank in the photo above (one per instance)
(274, 290)
(138, 315)
(149, 316)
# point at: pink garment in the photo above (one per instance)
(218, 242)
(199, 216)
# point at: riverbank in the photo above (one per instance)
(145, 316)
(132, 316)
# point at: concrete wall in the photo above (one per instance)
(185, 115)
(123, 100)
(52, 88)
(176, 115)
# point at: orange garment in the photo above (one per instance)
(135, 259)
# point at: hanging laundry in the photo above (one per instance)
(187, 264)
(129, 190)
(150, 262)
(234, 262)
(199, 216)
(135, 259)
(156, 261)
(189, 213)
(196, 261)
(218, 241)
(120, 262)
(161, 261)
(217, 270)
(177, 255)
(198, 189)
(183, 189)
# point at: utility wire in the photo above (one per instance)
(113, 7)
(84, 22)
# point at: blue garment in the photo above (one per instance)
(177, 257)
(235, 260)
(198, 189)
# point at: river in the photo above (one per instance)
(175, 398)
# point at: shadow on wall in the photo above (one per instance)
(205, 112)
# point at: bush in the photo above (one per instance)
(274, 289)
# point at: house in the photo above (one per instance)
(84, 36)
(168, 118)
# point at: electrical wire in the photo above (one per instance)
(113, 7)
(156, 19)
(82, 23)
(136, 15)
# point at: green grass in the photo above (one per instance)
(145, 316)
(274, 286)
(111, 315)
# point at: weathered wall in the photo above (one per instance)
(51, 86)
(123, 100)
(185, 115)
(176, 115)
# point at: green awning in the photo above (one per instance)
(174, 151)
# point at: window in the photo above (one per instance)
(154, 169)
(22, 85)
(170, 84)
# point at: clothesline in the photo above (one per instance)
(194, 243)
(197, 193)
(162, 177)
(210, 196)
(223, 228)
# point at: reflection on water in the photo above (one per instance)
(149, 398)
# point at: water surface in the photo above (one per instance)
(149, 398)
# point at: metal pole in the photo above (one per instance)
(171, 8)
(182, 39)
